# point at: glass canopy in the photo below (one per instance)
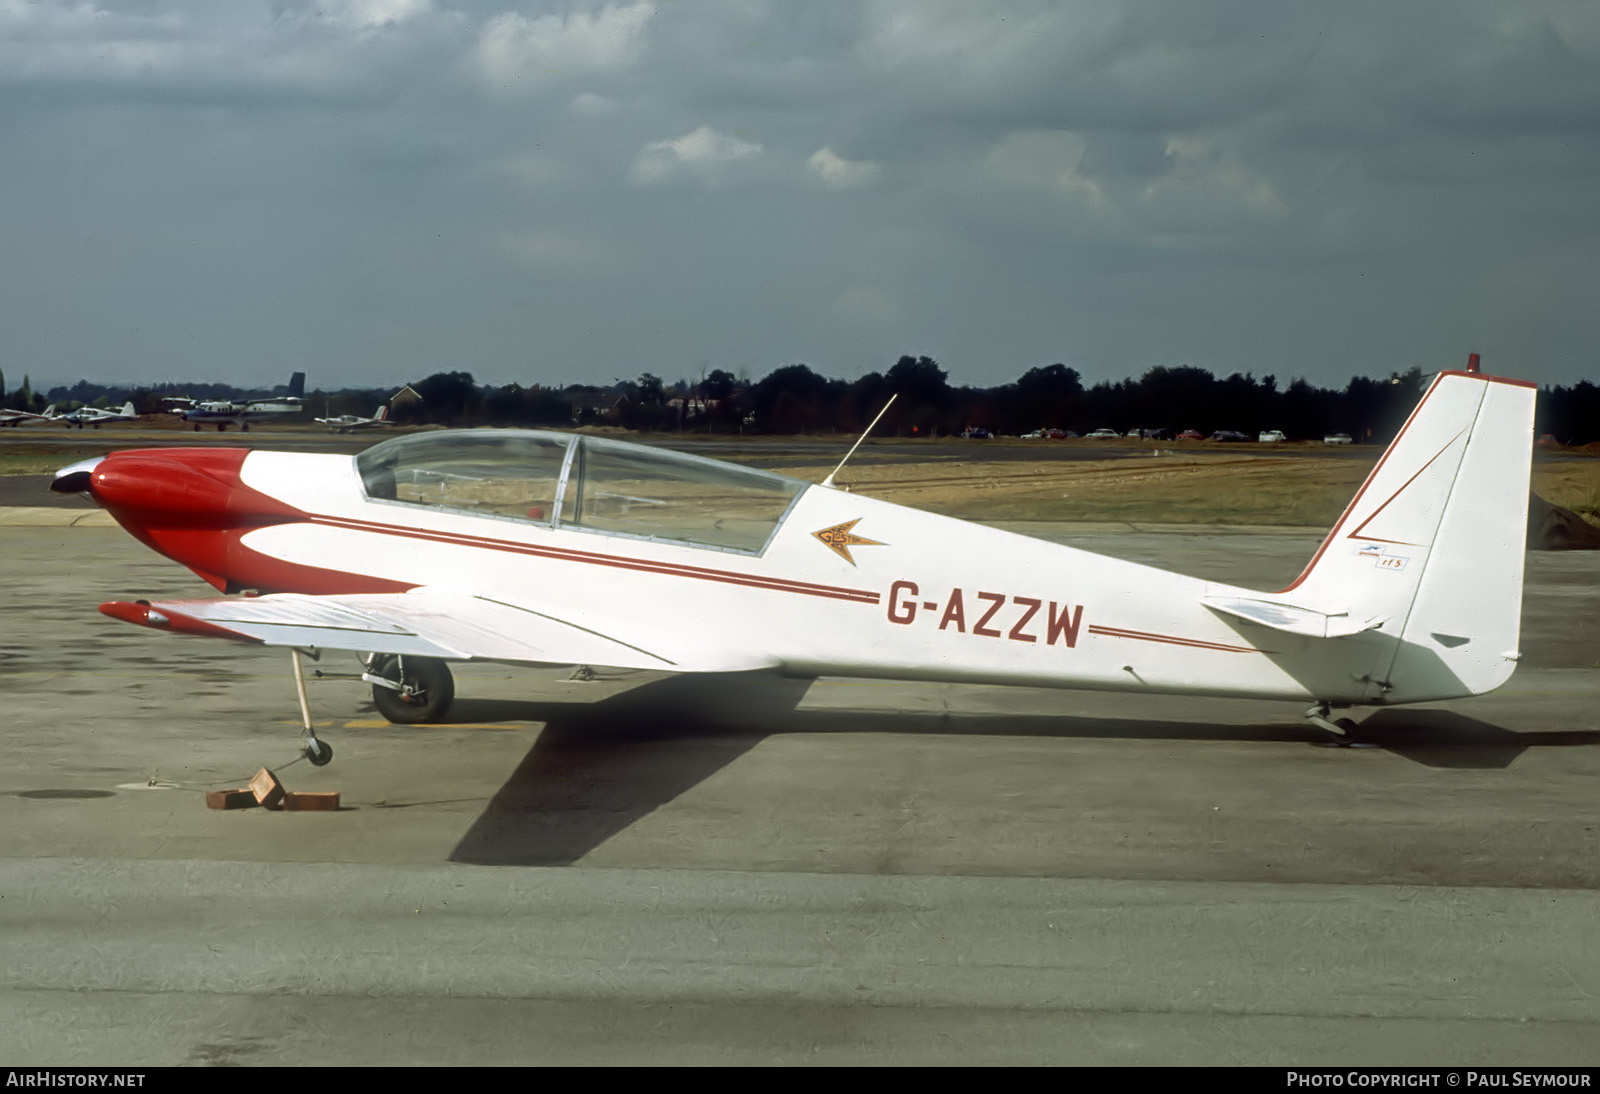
(590, 483)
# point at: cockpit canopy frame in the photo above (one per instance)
(583, 483)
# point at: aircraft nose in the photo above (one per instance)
(74, 478)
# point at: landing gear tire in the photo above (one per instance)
(319, 752)
(426, 688)
(1346, 739)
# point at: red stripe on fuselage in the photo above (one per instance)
(1193, 643)
(562, 554)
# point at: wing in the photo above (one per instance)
(427, 622)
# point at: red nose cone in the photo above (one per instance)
(150, 489)
(189, 504)
(178, 488)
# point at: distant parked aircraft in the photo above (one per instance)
(346, 423)
(17, 417)
(241, 413)
(89, 415)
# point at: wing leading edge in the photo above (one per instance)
(427, 622)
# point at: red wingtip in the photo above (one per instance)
(167, 619)
(1472, 363)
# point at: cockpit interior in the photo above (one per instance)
(594, 484)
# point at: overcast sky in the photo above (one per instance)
(374, 190)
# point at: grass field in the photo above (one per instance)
(1295, 486)
(1179, 489)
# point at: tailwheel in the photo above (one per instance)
(318, 751)
(1341, 730)
(408, 690)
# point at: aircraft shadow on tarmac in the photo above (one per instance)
(596, 768)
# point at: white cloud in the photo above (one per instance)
(334, 48)
(704, 154)
(839, 173)
(1048, 159)
(518, 52)
(363, 14)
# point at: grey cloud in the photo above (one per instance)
(380, 188)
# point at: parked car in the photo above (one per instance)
(1048, 435)
(1103, 434)
(1036, 435)
(1271, 436)
(1158, 434)
(976, 433)
(1337, 438)
(1191, 435)
(1228, 435)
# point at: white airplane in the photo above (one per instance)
(545, 548)
(348, 423)
(225, 412)
(15, 418)
(89, 415)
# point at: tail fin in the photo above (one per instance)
(1430, 551)
(127, 408)
(383, 413)
(297, 385)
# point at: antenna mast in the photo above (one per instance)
(829, 480)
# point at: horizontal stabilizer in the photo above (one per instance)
(1291, 618)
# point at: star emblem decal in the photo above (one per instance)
(840, 539)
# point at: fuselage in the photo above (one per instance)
(238, 413)
(842, 585)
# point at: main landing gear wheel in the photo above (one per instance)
(425, 688)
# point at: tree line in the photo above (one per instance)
(796, 399)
